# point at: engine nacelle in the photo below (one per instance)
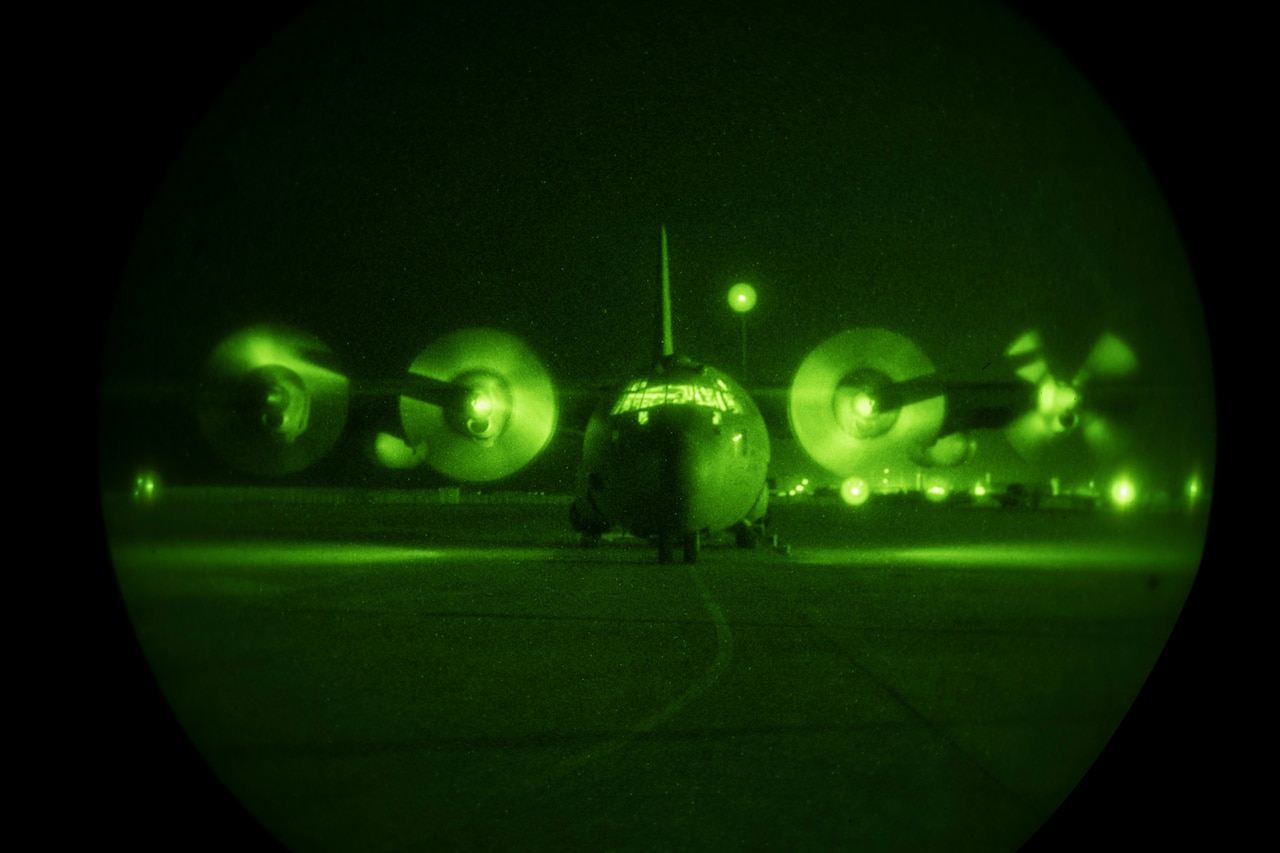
(947, 452)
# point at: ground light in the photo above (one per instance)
(854, 491)
(145, 487)
(1194, 490)
(1123, 493)
(936, 489)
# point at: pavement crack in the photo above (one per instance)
(724, 654)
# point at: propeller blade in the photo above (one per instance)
(271, 401)
(1110, 357)
(501, 425)
(1030, 435)
(1104, 438)
(833, 403)
(1027, 354)
(1063, 407)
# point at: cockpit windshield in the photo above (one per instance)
(643, 394)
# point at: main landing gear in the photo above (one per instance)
(747, 534)
(690, 542)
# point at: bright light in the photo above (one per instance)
(742, 297)
(144, 487)
(979, 490)
(854, 491)
(480, 405)
(1123, 492)
(641, 395)
(936, 488)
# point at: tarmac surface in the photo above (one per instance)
(363, 672)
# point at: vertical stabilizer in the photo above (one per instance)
(666, 344)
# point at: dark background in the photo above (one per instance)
(1165, 78)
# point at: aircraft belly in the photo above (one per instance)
(671, 475)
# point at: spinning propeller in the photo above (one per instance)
(853, 402)
(478, 405)
(1060, 406)
(271, 401)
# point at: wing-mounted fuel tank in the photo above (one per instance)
(477, 405)
(272, 400)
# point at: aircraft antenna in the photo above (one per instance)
(666, 344)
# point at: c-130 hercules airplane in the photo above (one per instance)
(674, 454)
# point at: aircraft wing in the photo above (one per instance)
(865, 396)
(478, 404)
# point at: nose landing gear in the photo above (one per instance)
(691, 544)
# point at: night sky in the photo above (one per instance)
(381, 177)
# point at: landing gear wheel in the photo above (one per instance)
(746, 534)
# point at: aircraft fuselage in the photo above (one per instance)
(677, 453)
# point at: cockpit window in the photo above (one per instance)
(642, 394)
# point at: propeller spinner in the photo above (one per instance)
(842, 406)
(493, 411)
(1059, 406)
(271, 401)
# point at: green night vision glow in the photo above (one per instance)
(394, 452)
(640, 395)
(144, 488)
(480, 406)
(742, 297)
(1107, 558)
(1123, 493)
(1194, 490)
(386, 603)
(854, 491)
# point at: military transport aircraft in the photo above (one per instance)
(674, 453)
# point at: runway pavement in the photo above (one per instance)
(398, 675)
